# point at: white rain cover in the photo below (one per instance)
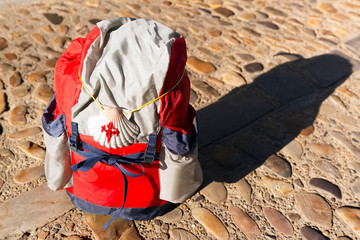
(125, 68)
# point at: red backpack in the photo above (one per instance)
(121, 136)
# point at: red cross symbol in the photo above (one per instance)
(110, 131)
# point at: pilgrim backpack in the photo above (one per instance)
(120, 134)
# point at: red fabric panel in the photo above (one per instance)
(103, 185)
(175, 112)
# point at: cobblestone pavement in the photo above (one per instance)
(276, 85)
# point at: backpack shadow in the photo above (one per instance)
(238, 133)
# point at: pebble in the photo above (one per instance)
(245, 57)
(54, 18)
(231, 40)
(311, 234)
(217, 46)
(63, 29)
(2, 102)
(343, 119)
(181, 234)
(154, 10)
(7, 154)
(234, 79)
(246, 224)
(326, 186)
(328, 168)
(344, 238)
(244, 189)
(270, 25)
(37, 77)
(114, 230)
(322, 149)
(341, 138)
(215, 81)
(15, 79)
(314, 208)
(61, 41)
(351, 216)
(307, 131)
(294, 150)
(278, 221)
(4, 68)
(327, 8)
(173, 216)
(49, 52)
(356, 188)
(246, 16)
(44, 93)
(200, 66)
(204, 88)
(32, 149)
(275, 11)
(10, 56)
(224, 12)
(214, 32)
(17, 116)
(211, 223)
(24, 45)
(277, 186)
(29, 174)
(38, 38)
(254, 67)
(215, 192)
(51, 63)
(18, 92)
(279, 166)
(299, 183)
(130, 234)
(294, 217)
(3, 43)
(25, 133)
(1, 183)
(47, 29)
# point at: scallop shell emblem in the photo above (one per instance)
(112, 129)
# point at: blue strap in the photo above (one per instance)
(151, 149)
(74, 137)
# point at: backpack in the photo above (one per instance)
(120, 134)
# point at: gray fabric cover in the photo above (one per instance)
(180, 176)
(125, 67)
(57, 161)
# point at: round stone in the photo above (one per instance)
(310, 234)
(51, 63)
(254, 67)
(215, 192)
(293, 150)
(314, 208)
(37, 77)
(351, 216)
(246, 224)
(17, 116)
(234, 79)
(54, 18)
(211, 223)
(326, 186)
(32, 149)
(270, 25)
(200, 66)
(3, 103)
(172, 217)
(278, 165)
(3, 43)
(15, 79)
(224, 12)
(10, 56)
(278, 221)
(29, 174)
(181, 234)
(18, 92)
(38, 38)
(28, 132)
(244, 189)
(322, 149)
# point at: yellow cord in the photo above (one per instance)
(138, 107)
(90, 92)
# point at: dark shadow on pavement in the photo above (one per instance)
(294, 91)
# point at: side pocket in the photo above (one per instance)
(57, 159)
(180, 176)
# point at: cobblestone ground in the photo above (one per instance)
(276, 86)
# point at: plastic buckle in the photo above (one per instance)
(149, 155)
(74, 143)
